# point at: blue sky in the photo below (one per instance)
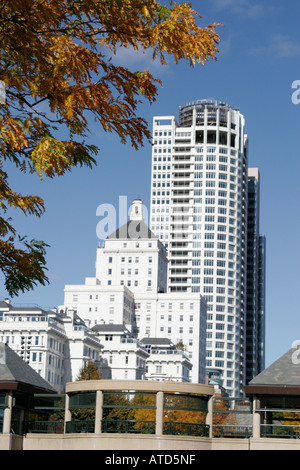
(257, 64)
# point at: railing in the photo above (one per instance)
(48, 427)
(170, 352)
(80, 426)
(280, 431)
(170, 428)
(132, 341)
(186, 429)
(115, 426)
(128, 426)
(232, 431)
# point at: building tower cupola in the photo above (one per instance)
(136, 210)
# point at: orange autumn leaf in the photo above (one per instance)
(59, 67)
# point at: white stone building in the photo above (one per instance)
(166, 361)
(97, 303)
(133, 256)
(179, 317)
(56, 345)
(130, 288)
(123, 357)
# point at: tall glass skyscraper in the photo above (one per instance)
(199, 211)
(256, 253)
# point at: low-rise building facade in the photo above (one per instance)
(166, 361)
(123, 357)
(56, 345)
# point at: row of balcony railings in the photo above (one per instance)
(133, 412)
(169, 428)
(123, 412)
(115, 426)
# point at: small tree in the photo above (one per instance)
(180, 346)
(89, 372)
(222, 416)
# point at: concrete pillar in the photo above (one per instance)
(256, 418)
(159, 413)
(21, 419)
(8, 413)
(209, 416)
(68, 415)
(99, 412)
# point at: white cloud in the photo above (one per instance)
(225, 45)
(279, 46)
(128, 57)
(245, 8)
